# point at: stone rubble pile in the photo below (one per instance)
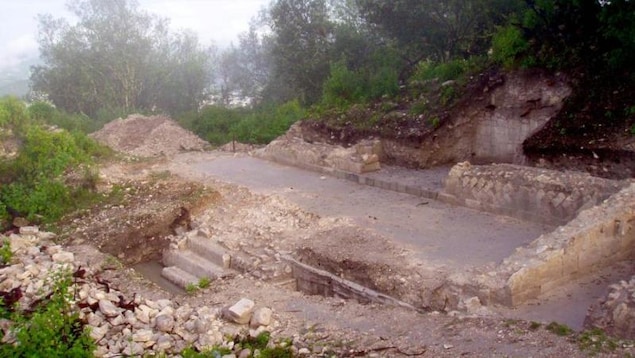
(615, 314)
(148, 136)
(126, 326)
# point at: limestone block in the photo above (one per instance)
(241, 311)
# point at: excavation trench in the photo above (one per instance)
(382, 244)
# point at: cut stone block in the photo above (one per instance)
(241, 311)
(209, 250)
(192, 263)
(179, 277)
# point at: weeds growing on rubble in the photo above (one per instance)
(5, 253)
(49, 327)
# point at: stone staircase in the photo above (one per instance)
(196, 257)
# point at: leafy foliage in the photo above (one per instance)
(33, 182)
(507, 46)
(219, 125)
(267, 123)
(437, 30)
(13, 114)
(5, 252)
(117, 60)
(300, 46)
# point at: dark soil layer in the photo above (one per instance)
(594, 132)
(419, 110)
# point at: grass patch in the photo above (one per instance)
(596, 341)
(204, 282)
(534, 325)
(559, 329)
(191, 288)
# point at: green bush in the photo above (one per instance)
(34, 183)
(43, 112)
(267, 123)
(5, 252)
(13, 113)
(383, 82)
(451, 70)
(53, 329)
(213, 123)
(343, 86)
(219, 125)
(508, 45)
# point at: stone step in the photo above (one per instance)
(289, 284)
(209, 250)
(179, 277)
(196, 265)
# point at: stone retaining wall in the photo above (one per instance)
(595, 239)
(538, 195)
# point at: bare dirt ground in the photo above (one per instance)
(269, 210)
(356, 330)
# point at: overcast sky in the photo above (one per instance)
(218, 21)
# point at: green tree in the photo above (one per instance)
(300, 49)
(119, 58)
(438, 30)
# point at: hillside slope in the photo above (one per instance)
(530, 117)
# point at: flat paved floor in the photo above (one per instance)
(438, 233)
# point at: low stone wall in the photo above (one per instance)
(595, 239)
(533, 194)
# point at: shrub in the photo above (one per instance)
(383, 82)
(428, 70)
(13, 114)
(204, 282)
(213, 123)
(343, 86)
(191, 288)
(267, 122)
(5, 253)
(559, 329)
(43, 112)
(35, 185)
(508, 45)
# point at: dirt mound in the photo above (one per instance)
(148, 136)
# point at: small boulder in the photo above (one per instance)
(165, 323)
(240, 312)
(108, 308)
(261, 317)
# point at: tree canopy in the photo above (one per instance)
(118, 58)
